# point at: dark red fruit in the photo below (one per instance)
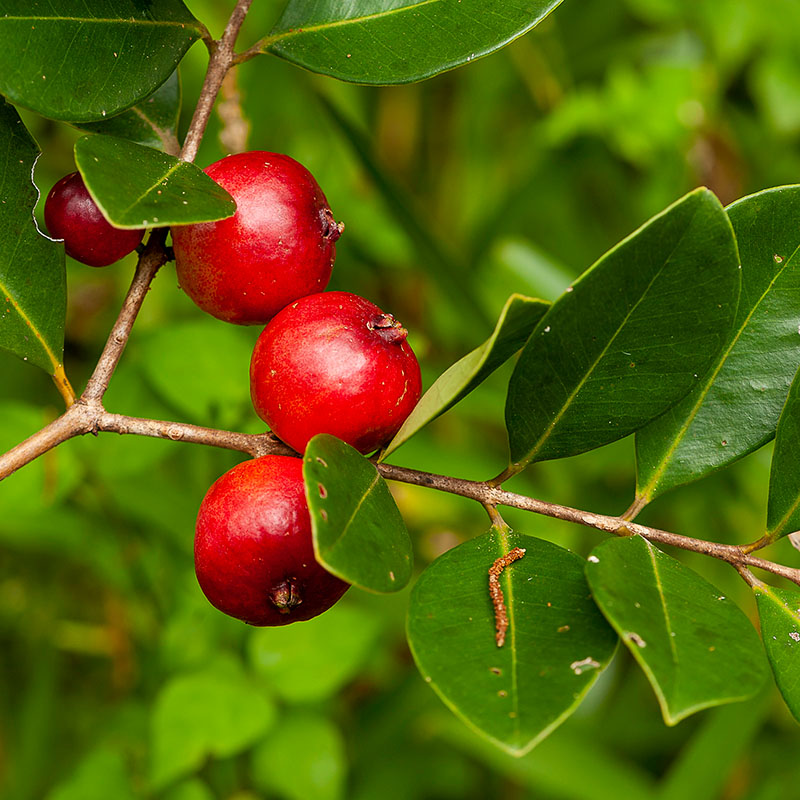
(253, 552)
(278, 246)
(334, 363)
(71, 214)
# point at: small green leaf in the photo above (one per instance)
(556, 646)
(193, 789)
(735, 407)
(696, 648)
(85, 60)
(100, 775)
(517, 319)
(153, 122)
(359, 534)
(33, 290)
(139, 187)
(304, 758)
(397, 41)
(630, 338)
(309, 661)
(779, 612)
(210, 713)
(783, 507)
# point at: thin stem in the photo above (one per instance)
(63, 385)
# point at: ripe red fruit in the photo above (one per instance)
(278, 246)
(334, 363)
(253, 552)
(71, 214)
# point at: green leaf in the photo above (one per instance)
(517, 319)
(779, 612)
(193, 789)
(100, 775)
(557, 642)
(397, 41)
(696, 648)
(153, 122)
(359, 534)
(783, 506)
(84, 60)
(138, 187)
(303, 758)
(209, 713)
(735, 407)
(309, 661)
(33, 289)
(630, 338)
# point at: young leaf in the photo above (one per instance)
(86, 60)
(153, 122)
(696, 647)
(631, 337)
(557, 641)
(359, 534)
(33, 290)
(779, 612)
(517, 319)
(734, 408)
(397, 41)
(783, 507)
(138, 187)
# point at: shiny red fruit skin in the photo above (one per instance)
(253, 546)
(71, 214)
(278, 246)
(324, 366)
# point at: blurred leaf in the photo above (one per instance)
(358, 532)
(309, 661)
(735, 407)
(783, 507)
(33, 287)
(630, 337)
(557, 642)
(517, 319)
(193, 789)
(138, 187)
(200, 368)
(153, 122)
(779, 612)
(303, 758)
(101, 775)
(696, 647)
(397, 41)
(205, 714)
(83, 60)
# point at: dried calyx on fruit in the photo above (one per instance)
(277, 247)
(71, 214)
(334, 363)
(253, 550)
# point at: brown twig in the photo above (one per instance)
(496, 592)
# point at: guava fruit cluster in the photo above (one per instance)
(326, 362)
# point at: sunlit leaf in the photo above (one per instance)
(557, 641)
(696, 647)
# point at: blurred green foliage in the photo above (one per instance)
(117, 679)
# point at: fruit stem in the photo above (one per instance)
(388, 328)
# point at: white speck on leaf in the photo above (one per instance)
(794, 635)
(579, 667)
(594, 559)
(636, 639)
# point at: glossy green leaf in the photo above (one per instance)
(398, 41)
(696, 647)
(84, 60)
(517, 319)
(631, 337)
(556, 645)
(735, 407)
(783, 507)
(303, 758)
(153, 122)
(309, 661)
(139, 187)
(359, 534)
(210, 713)
(33, 290)
(779, 613)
